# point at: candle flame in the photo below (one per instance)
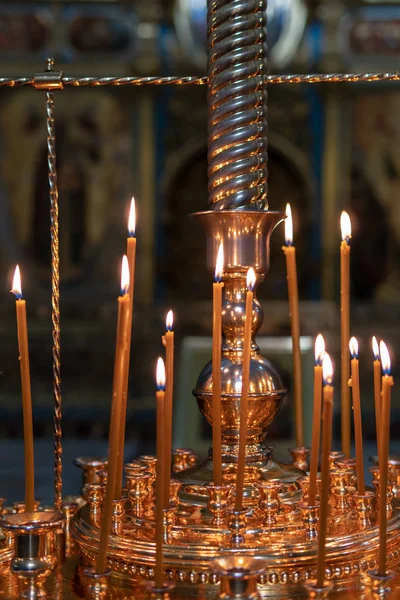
(124, 275)
(219, 266)
(353, 345)
(288, 226)
(327, 369)
(132, 219)
(319, 349)
(251, 279)
(169, 320)
(375, 348)
(345, 226)
(16, 284)
(385, 358)
(160, 374)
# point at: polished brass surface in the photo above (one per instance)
(237, 105)
(279, 528)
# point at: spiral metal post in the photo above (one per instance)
(237, 104)
(55, 291)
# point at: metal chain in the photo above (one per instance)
(55, 297)
(139, 81)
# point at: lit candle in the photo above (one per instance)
(291, 272)
(23, 348)
(216, 367)
(355, 386)
(377, 391)
(327, 371)
(387, 383)
(251, 281)
(168, 341)
(160, 473)
(114, 446)
(316, 427)
(131, 255)
(345, 225)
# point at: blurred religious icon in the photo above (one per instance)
(93, 163)
(374, 197)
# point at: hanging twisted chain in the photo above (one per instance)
(138, 81)
(55, 296)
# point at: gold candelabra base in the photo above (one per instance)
(201, 525)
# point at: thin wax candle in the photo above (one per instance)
(387, 384)
(316, 428)
(244, 401)
(377, 391)
(326, 450)
(291, 271)
(23, 348)
(168, 341)
(114, 446)
(345, 225)
(160, 473)
(355, 386)
(216, 367)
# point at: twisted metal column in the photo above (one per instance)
(55, 293)
(237, 104)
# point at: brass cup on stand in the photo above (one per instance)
(90, 465)
(238, 577)
(35, 550)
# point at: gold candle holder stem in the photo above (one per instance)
(310, 519)
(95, 585)
(363, 504)
(238, 577)
(318, 593)
(138, 490)
(117, 525)
(237, 527)
(168, 524)
(160, 593)
(94, 493)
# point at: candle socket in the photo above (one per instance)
(151, 463)
(168, 524)
(334, 457)
(182, 459)
(304, 483)
(310, 518)
(19, 507)
(160, 593)
(35, 555)
(238, 577)
(269, 504)
(117, 526)
(340, 487)
(237, 527)
(95, 497)
(378, 585)
(90, 465)
(389, 497)
(174, 487)
(318, 593)
(349, 464)
(95, 585)
(300, 457)
(102, 475)
(138, 490)
(363, 504)
(218, 502)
